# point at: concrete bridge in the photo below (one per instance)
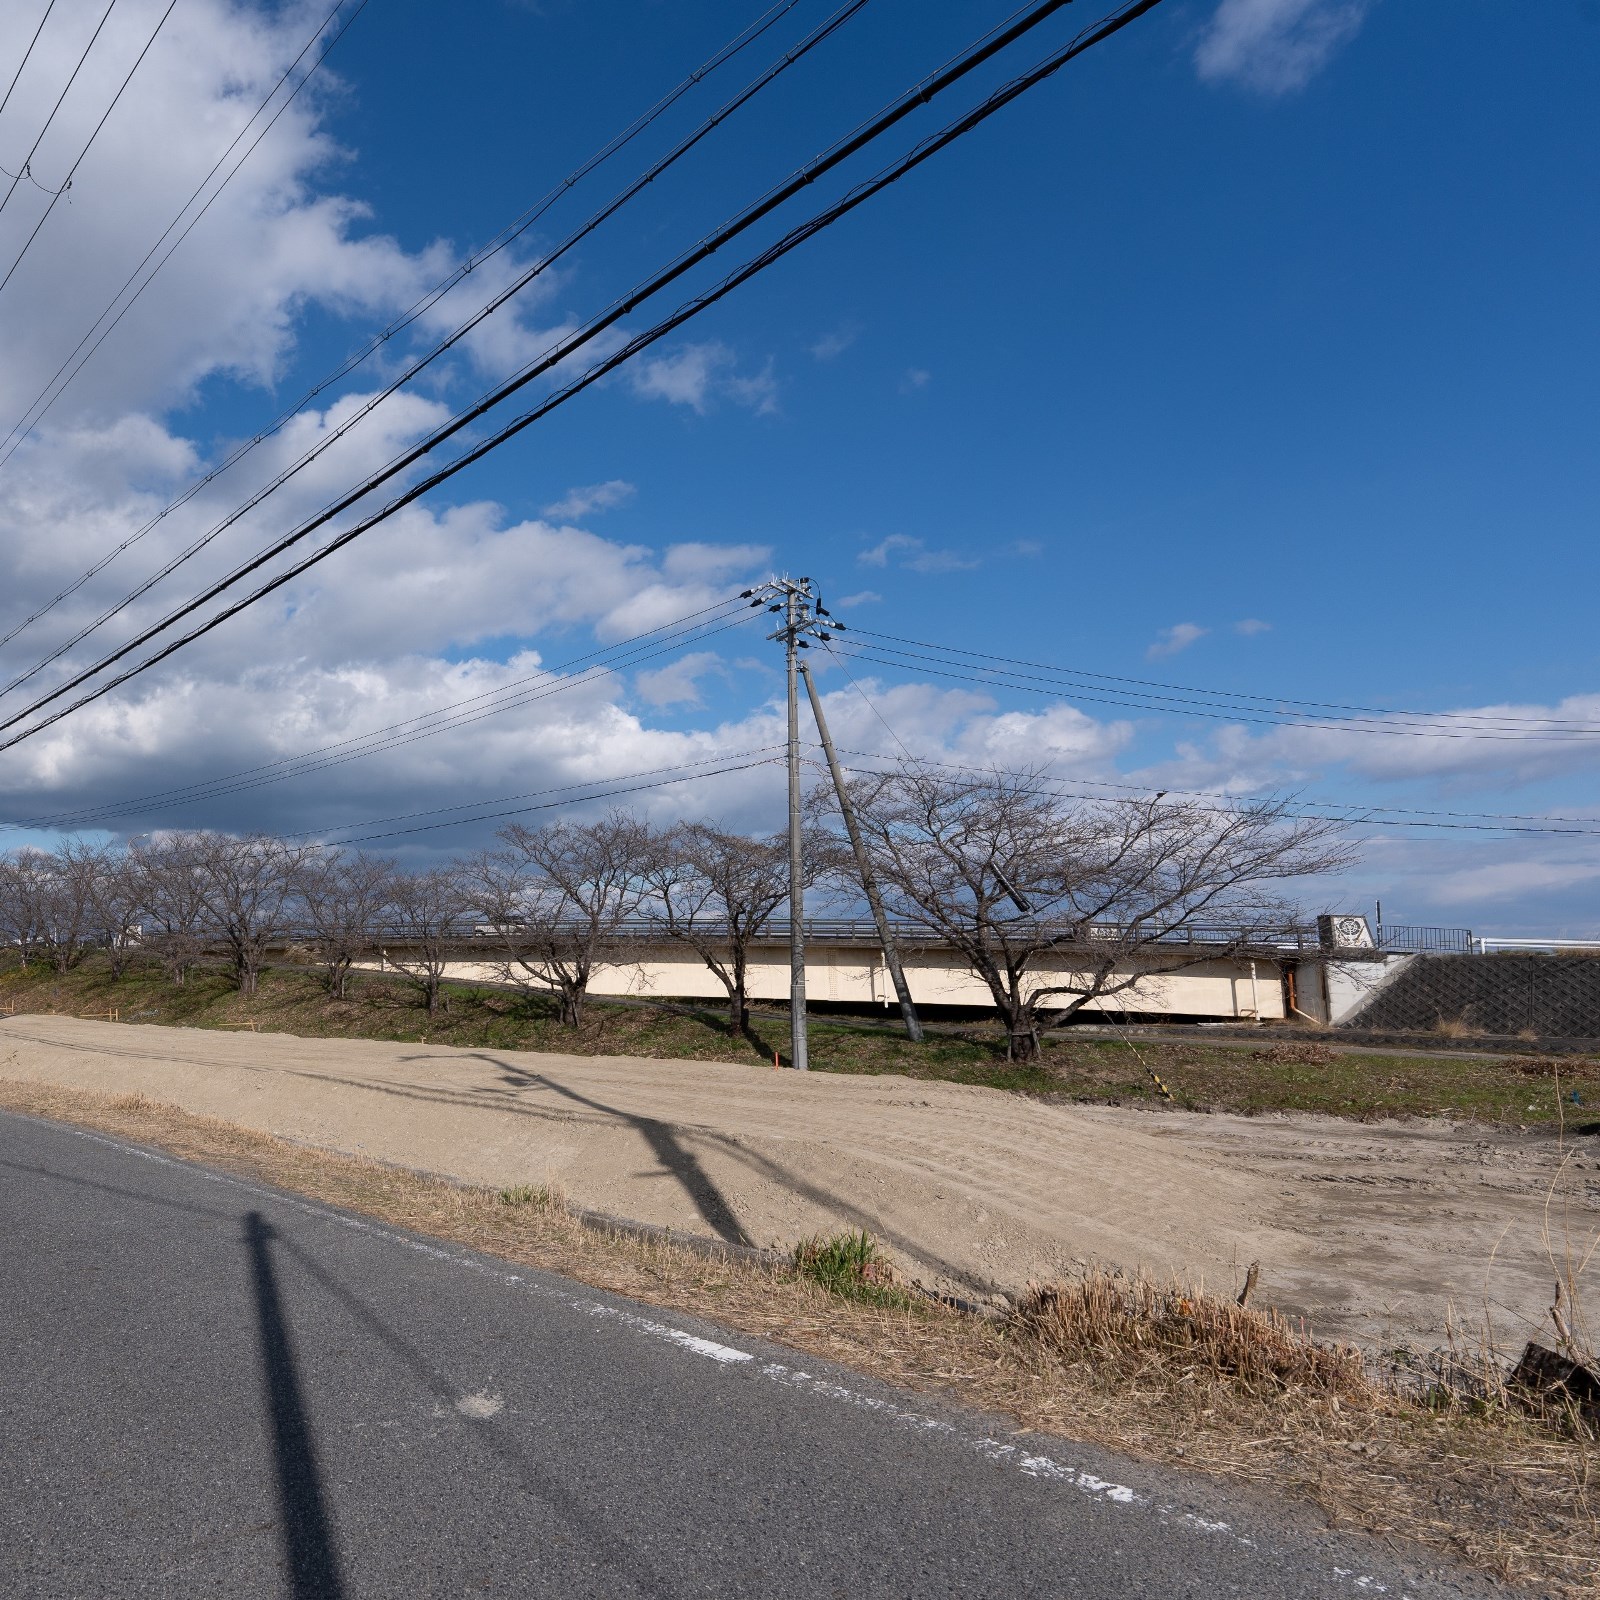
(1210, 974)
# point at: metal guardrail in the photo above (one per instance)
(1488, 946)
(854, 930)
(1399, 939)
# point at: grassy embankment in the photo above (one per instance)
(1279, 1074)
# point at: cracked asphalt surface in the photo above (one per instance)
(211, 1388)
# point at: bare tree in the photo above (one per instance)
(717, 892)
(432, 914)
(112, 884)
(1054, 904)
(556, 899)
(171, 890)
(248, 886)
(345, 900)
(22, 902)
(55, 897)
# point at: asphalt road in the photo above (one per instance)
(209, 1388)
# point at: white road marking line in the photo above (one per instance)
(1002, 1454)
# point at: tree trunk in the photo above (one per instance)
(1022, 1033)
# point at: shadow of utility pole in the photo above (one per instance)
(665, 1145)
(307, 1536)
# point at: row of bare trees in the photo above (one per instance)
(1051, 902)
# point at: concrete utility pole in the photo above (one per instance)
(802, 614)
(793, 598)
(799, 1056)
(869, 881)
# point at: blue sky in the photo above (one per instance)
(1257, 351)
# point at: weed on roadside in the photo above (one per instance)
(541, 1196)
(850, 1265)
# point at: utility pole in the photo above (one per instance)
(869, 881)
(793, 598)
(803, 614)
(799, 1056)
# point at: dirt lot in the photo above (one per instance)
(1372, 1231)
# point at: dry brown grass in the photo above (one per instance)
(1296, 1053)
(1165, 1375)
(1138, 1328)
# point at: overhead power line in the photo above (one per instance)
(358, 357)
(1544, 823)
(1294, 805)
(602, 794)
(45, 400)
(33, 149)
(762, 755)
(27, 55)
(942, 666)
(593, 667)
(66, 184)
(805, 176)
(519, 283)
(1495, 719)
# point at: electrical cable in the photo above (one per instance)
(687, 767)
(587, 679)
(930, 146)
(24, 427)
(606, 794)
(26, 57)
(908, 660)
(1364, 819)
(1069, 794)
(666, 638)
(507, 236)
(71, 171)
(34, 149)
(520, 282)
(1426, 725)
(1230, 694)
(1495, 817)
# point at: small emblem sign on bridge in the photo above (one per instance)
(1344, 932)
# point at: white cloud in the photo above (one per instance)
(696, 375)
(915, 378)
(677, 684)
(592, 498)
(866, 597)
(1027, 547)
(1178, 637)
(1275, 46)
(833, 345)
(1251, 626)
(377, 633)
(914, 556)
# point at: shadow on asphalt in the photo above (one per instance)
(308, 1546)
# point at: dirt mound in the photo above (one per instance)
(1369, 1230)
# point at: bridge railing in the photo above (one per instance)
(1401, 939)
